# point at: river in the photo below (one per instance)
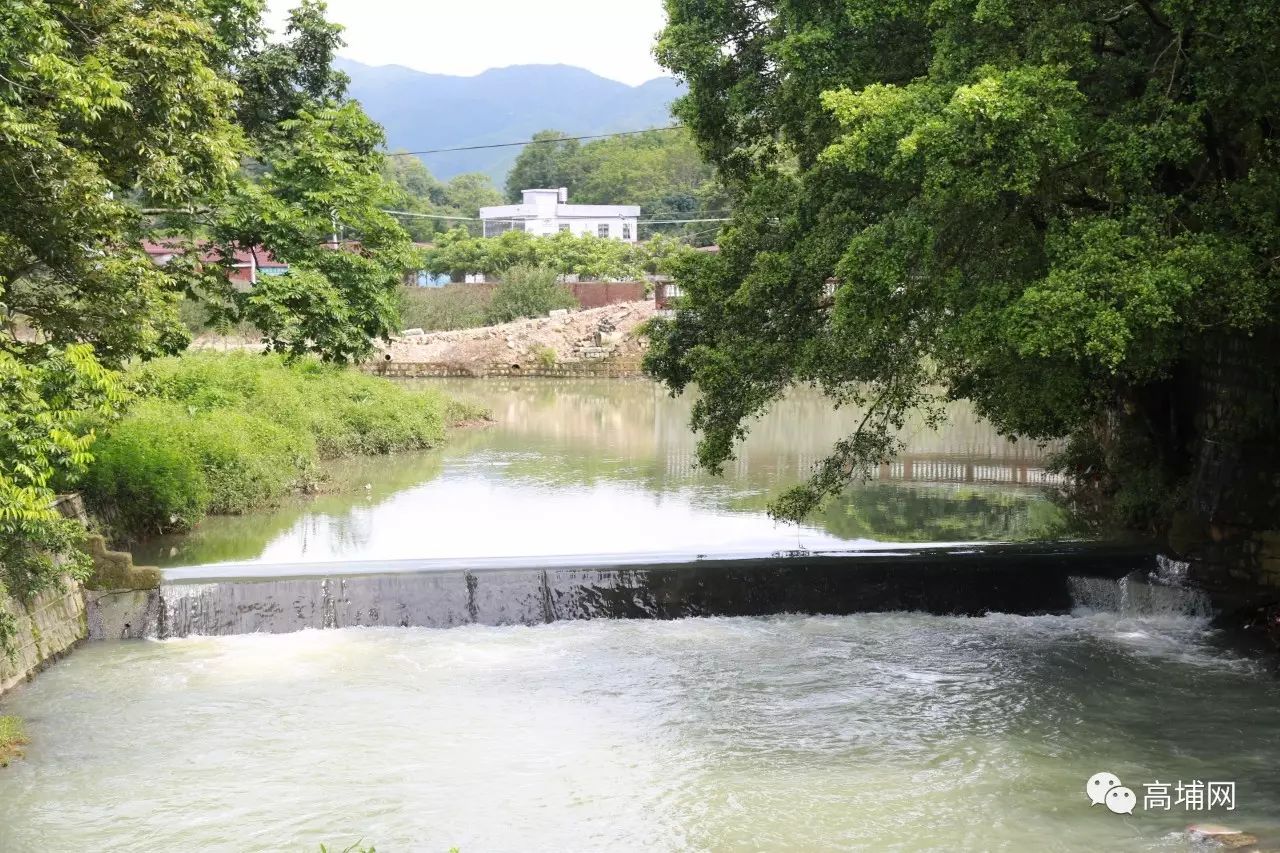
(873, 732)
(607, 466)
(886, 731)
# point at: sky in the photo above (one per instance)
(465, 37)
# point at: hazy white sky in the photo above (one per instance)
(465, 37)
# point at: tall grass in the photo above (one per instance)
(442, 309)
(230, 433)
(12, 739)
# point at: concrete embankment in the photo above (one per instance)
(230, 599)
(51, 623)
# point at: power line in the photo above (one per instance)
(676, 221)
(534, 141)
(431, 215)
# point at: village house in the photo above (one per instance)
(547, 212)
(247, 264)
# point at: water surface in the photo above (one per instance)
(874, 732)
(608, 467)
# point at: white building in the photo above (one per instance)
(546, 212)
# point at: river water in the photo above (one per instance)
(607, 466)
(897, 731)
(873, 732)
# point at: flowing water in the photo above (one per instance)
(607, 466)
(875, 732)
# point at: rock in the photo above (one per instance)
(559, 312)
(409, 333)
(1231, 839)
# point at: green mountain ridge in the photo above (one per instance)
(423, 111)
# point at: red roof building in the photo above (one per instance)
(247, 264)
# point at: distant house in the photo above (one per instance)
(247, 264)
(547, 212)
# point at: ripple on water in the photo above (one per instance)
(879, 731)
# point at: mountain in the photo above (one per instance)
(420, 110)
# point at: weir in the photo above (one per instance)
(972, 580)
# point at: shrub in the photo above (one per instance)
(456, 306)
(528, 292)
(12, 739)
(229, 433)
(143, 477)
(544, 355)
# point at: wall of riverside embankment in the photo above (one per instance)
(1230, 531)
(602, 369)
(48, 626)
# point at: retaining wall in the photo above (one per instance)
(602, 369)
(48, 627)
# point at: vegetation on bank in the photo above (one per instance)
(528, 292)
(444, 309)
(12, 738)
(456, 253)
(241, 140)
(1063, 212)
(230, 433)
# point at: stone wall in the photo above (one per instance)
(1230, 530)
(601, 369)
(48, 627)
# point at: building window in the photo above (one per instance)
(602, 229)
(626, 231)
(564, 226)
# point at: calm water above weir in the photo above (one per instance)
(873, 732)
(603, 467)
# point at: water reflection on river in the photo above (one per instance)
(901, 732)
(600, 466)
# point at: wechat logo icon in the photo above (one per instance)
(1105, 789)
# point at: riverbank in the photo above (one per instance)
(13, 737)
(225, 434)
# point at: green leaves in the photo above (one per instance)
(1054, 209)
(457, 253)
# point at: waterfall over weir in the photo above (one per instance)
(1053, 578)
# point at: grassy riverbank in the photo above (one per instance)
(12, 738)
(231, 433)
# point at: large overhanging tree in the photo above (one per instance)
(1054, 209)
(111, 107)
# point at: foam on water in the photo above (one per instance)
(889, 731)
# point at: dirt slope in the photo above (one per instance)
(593, 333)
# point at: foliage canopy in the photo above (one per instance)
(1049, 208)
(112, 108)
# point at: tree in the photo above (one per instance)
(109, 106)
(660, 170)
(1058, 210)
(528, 292)
(457, 254)
(465, 194)
(315, 202)
(546, 164)
(98, 103)
(418, 191)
